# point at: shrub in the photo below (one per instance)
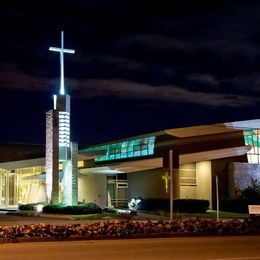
(180, 205)
(236, 205)
(128, 229)
(248, 196)
(191, 205)
(83, 208)
(151, 204)
(109, 210)
(251, 193)
(53, 208)
(30, 206)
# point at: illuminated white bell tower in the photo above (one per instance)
(60, 152)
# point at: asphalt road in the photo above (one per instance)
(235, 248)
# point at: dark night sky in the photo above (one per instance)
(139, 67)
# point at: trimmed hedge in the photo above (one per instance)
(84, 208)
(190, 205)
(30, 206)
(179, 205)
(237, 205)
(153, 204)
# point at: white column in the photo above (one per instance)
(204, 182)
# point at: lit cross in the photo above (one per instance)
(61, 51)
(166, 179)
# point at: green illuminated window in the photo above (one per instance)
(126, 149)
(252, 138)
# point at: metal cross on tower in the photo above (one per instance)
(62, 51)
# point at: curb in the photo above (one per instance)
(142, 236)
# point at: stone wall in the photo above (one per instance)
(241, 176)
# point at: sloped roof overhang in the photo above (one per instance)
(214, 128)
(214, 154)
(155, 163)
(23, 163)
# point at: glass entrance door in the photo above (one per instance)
(117, 189)
(9, 188)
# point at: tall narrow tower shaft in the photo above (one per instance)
(60, 186)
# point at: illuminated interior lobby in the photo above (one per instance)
(115, 172)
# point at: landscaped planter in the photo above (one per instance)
(127, 229)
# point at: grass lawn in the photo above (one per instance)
(212, 214)
(101, 216)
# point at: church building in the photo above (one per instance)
(112, 173)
